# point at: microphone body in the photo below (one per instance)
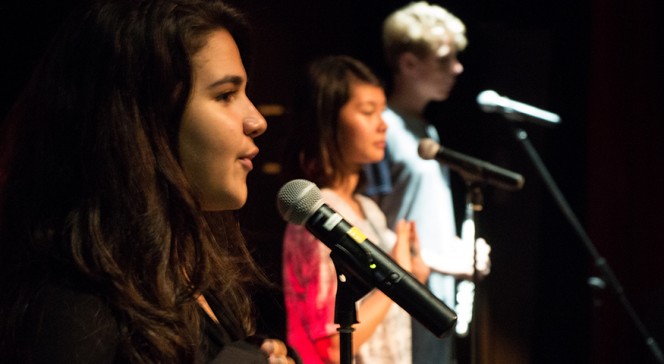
(361, 258)
(490, 101)
(470, 168)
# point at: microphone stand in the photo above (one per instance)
(600, 262)
(466, 289)
(349, 291)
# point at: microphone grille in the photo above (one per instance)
(428, 148)
(297, 200)
(488, 98)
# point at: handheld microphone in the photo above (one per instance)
(490, 101)
(470, 168)
(300, 202)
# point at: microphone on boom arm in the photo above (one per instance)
(490, 101)
(469, 167)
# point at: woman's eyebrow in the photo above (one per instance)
(236, 80)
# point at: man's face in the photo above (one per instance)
(436, 73)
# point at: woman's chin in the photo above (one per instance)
(226, 202)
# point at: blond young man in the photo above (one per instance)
(421, 42)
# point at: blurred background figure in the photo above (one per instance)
(340, 128)
(421, 42)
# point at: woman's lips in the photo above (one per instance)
(246, 159)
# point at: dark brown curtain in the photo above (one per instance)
(625, 172)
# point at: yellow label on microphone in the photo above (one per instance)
(356, 234)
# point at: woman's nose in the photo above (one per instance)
(382, 125)
(254, 124)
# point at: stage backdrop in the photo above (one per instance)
(598, 64)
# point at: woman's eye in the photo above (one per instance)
(226, 96)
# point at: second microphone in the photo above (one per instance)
(472, 169)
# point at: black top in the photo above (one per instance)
(74, 327)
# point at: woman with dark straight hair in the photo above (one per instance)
(123, 160)
(339, 130)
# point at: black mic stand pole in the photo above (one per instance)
(349, 291)
(600, 262)
(474, 203)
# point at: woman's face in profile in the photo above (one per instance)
(218, 125)
(361, 126)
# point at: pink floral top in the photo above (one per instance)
(310, 284)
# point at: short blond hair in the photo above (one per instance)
(420, 28)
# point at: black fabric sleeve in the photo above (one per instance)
(240, 352)
(226, 341)
(72, 327)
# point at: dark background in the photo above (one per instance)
(598, 64)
